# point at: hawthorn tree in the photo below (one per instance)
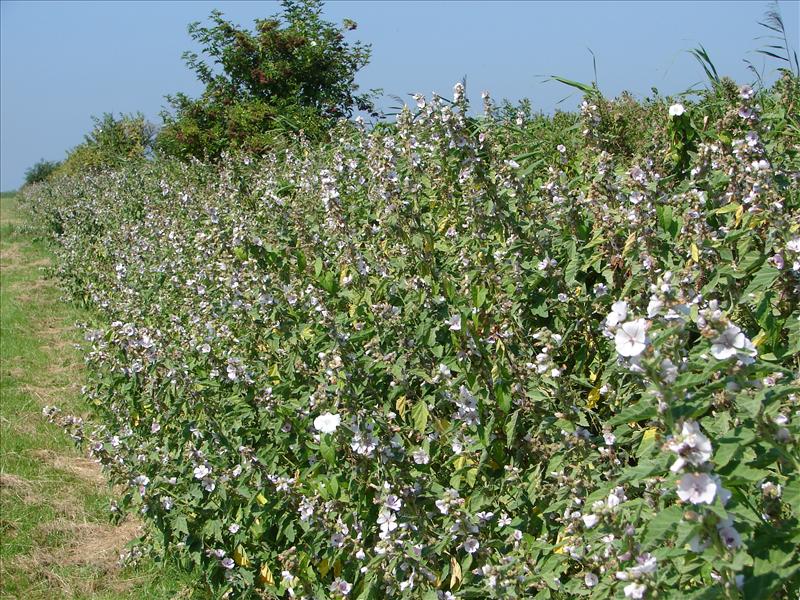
(294, 72)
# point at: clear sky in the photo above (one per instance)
(62, 62)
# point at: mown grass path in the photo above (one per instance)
(56, 540)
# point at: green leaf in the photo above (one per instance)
(419, 416)
(761, 282)
(510, 426)
(791, 495)
(479, 296)
(326, 450)
(640, 411)
(662, 524)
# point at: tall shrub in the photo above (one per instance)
(295, 71)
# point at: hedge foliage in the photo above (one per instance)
(458, 357)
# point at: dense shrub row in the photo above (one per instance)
(458, 357)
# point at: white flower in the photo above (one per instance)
(619, 312)
(631, 338)
(771, 489)
(732, 342)
(393, 502)
(676, 110)
(201, 472)
(723, 493)
(697, 488)
(363, 443)
(387, 520)
(340, 586)
(471, 545)
(635, 590)
(327, 422)
(729, 536)
(647, 564)
(421, 457)
(454, 322)
(669, 371)
(590, 520)
(609, 438)
(691, 446)
(228, 563)
(590, 579)
(654, 306)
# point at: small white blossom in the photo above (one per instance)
(471, 545)
(697, 488)
(635, 590)
(454, 322)
(327, 422)
(676, 110)
(732, 342)
(590, 520)
(631, 338)
(619, 312)
(201, 472)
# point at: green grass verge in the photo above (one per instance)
(56, 539)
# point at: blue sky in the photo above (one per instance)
(62, 62)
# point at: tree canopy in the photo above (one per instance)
(294, 72)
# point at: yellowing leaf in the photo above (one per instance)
(739, 213)
(323, 567)
(265, 575)
(306, 333)
(629, 243)
(759, 339)
(559, 549)
(261, 499)
(400, 405)
(593, 399)
(274, 373)
(460, 462)
(337, 568)
(441, 425)
(649, 434)
(240, 557)
(455, 573)
(695, 252)
(472, 475)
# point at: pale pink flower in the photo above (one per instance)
(697, 488)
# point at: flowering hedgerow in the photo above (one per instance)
(445, 359)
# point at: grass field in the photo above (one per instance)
(55, 534)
